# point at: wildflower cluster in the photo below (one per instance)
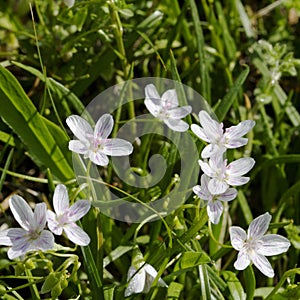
(215, 188)
(32, 236)
(218, 174)
(217, 185)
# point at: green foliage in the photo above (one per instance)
(241, 56)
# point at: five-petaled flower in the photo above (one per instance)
(140, 279)
(223, 175)
(95, 145)
(219, 140)
(65, 217)
(166, 108)
(214, 202)
(254, 245)
(32, 236)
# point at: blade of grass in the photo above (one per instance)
(205, 86)
(21, 115)
(224, 105)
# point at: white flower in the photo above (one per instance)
(214, 202)
(94, 144)
(255, 245)
(65, 217)
(32, 236)
(213, 133)
(140, 280)
(166, 108)
(223, 175)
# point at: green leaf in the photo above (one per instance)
(115, 254)
(64, 95)
(21, 115)
(201, 52)
(235, 287)
(51, 281)
(225, 104)
(191, 259)
(204, 283)
(7, 138)
(174, 290)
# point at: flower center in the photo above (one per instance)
(33, 235)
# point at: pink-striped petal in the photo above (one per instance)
(80, 127)
(61, 199)
(103, 127)
(259, 226)
(238, 237)
(79, 209)
(21, 211)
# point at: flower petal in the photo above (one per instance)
(259, 226)
(238, 131)
(153, 273)
(76, 234)
(98, 158)
(206, 168)
(15, 252)
(61, 199)
(169, 99)
(201, 193)
(77, 146)
(228, 195)
(240, 166)
(152, 94)
(152, 107)
(177, 125)
(237, 237)
(44, 242)
(214, 211)
(21, 211)
(213, 150)
(217, 186)
(117, 147)
(5, 240)
(79, 209)
(236, 143)
(136, 281)
(80, 127)
(39, 217)
(180, 112)
(103, 127)
(273, 244)
(200, 132)
(242, 262)
(262, 264)
(237, 180)
(213, 129)
(53, 224)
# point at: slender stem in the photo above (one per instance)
(33, 287)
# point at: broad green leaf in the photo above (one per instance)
(51, 281)
(64, 95)
(22, 116)
(234, 285)
(191, 259)
(174, 290)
